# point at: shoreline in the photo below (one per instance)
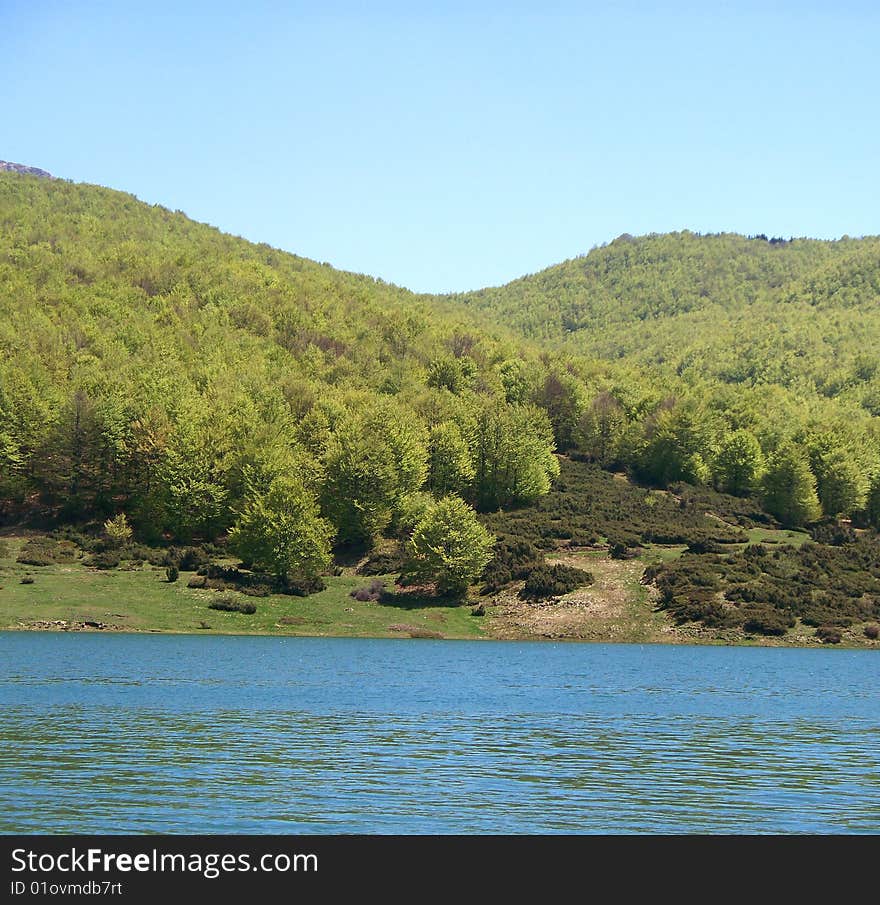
(617, 608)
(683, 640)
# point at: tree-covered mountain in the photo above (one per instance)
(205, 387)
(155, 367)
(798, 313)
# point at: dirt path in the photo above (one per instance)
(616, 607)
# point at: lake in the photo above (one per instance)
(188, 734)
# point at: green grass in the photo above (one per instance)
(142, 600)
(653, 553)
(781, 536)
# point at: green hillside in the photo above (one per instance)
(173, 395)
(799, 313)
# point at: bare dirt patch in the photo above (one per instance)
(614, 608)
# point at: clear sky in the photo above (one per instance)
(448, 146)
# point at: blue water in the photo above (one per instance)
(178, 734)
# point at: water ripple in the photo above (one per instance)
(140, 734)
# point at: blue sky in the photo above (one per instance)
(448, 146)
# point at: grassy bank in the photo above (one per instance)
(617, 607)
(142, 600)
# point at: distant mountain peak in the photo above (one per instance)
(24, 170)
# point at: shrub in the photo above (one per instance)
(172, 574)
(117, 530)
(230, 605)
(554, 581)
(46, 551)
(186, 559)
(702, 545)
(872, 631)
(302, 587)
(371, 592)
(383, 563)
(829, 634)
(832, 532)
(512, 560)
(765, 620)
(108, 560)
(27, 580)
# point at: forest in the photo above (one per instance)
(166, 387)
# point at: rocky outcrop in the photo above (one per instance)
(5, 165)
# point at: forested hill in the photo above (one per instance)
(196, 384)
(153, 366)
(730, 308)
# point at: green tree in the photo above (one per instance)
(677, 444)
(512, 451)
(789, 487)
(449, 546)
(450, 470)
(562, 397)
(872, 505)
(374, 461)
(739, 463)
(117, 530)
(841, 484)
(600, 430)
(280, 530)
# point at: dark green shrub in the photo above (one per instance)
(46, 551)
(832, 532)
(371, 592)
(231, 605)
(172, 574)
(765, 620)
(554, 581)
(187, 559)
(872, 631)
(107, 560)
(27, 580)
(829, 634)
(383, 563)
(702, 545)
(302, 587)
(512, 560)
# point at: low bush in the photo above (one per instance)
(383, 562)
(554, 581)
(835, 585)
(302, 587)
(766, 620)
(832, 532)
(47, 551)
(108, 560)
(371, 592)
(512, 560)
(231, 605)
(186, 559)
(872, 631)
(829, 634)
